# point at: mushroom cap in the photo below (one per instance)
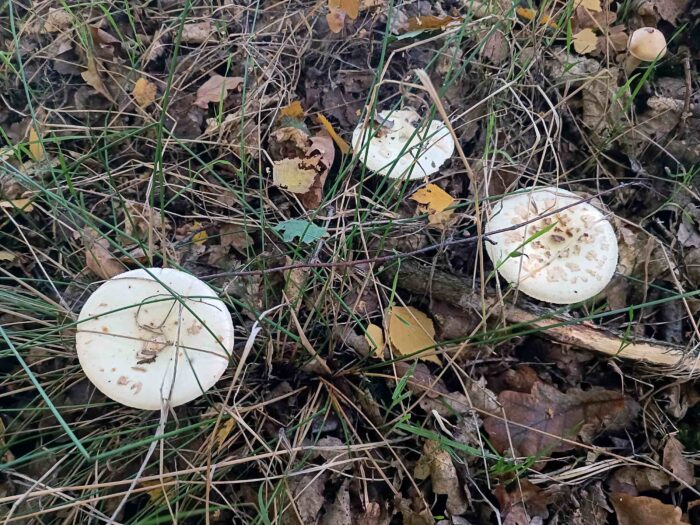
(398, 150)
(571, 262)
(647, 44)
(140, 345)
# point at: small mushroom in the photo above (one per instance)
(573, 260)
(644, 45)
(398, 148)
(147, 337)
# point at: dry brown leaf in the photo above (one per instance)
(522, 503)
(633, 480)
(411, 331)
(321, 147)
(436, 463)
(36, 148)
(98, 258)
(674, 461)
(591, 5)
(92, 77)
(215, 89)
(197, 33)
(58, 20)
(496, 47)
(375, 339)
(585, 41)
(641, 510)
(144, 92)
(546, 414)
(24, 205)
(292, 175)
(668, 10)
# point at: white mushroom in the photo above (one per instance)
(147, 337)
(400, 148)
(573, 260)
(644, 45)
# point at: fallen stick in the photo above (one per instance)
(420, 279)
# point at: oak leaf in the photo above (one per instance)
(535, 423)
(641, 510)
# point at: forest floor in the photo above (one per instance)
(393, 377)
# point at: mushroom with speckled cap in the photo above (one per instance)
(153, 337)
(563, 258)
(400, 147)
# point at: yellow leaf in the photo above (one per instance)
(349, 7)
(223, 432)
(157, 493)
(585, 41)
(294, 110)
(36, 148)
(288, 174)
(591, 5)
(434, 197)
(411, 331)
(23, 205)
(531, 14)
(343, 146)
(375, 339)
(199, 238)
(7, 256)
(144, 92)
(440, 218)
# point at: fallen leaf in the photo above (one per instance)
(223, 432)
(7, 256)
(668, 10)
(496, 47)
(338, 512)
(98, 258)
(321, 148)
(293, 110)
(24, 205)
(307, 498)
(436, 463)
(36, 148)
(375, 338)
(433, 197)
(92, 77)
(350, 7)
(434, 201)
(641, 510)
(102, 39)
(58, 20)
(144, 92)
(236, 237)
(591, 5)
(546, 414)
(201, 236)
(522, 503)
(674, 461)
(585, 41)
(429, 22)
(197, 33)
(306, 231)
(215, 89)
(411, 331)
(633, 480)
(294, 283)
(291, 175)
(531, 14)
(343, 146)
(158, 491)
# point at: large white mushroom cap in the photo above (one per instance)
(142, 346)
(571, 262)
(401, 148)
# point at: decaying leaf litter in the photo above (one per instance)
(395, 377)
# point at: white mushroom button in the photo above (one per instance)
(573, 260)
(147, 337)
(644, 45)
(400, 147)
